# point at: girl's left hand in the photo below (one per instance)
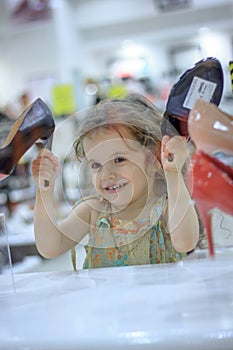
(174, 152)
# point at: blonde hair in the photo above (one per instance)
(136, 113)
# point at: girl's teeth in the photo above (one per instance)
(114, 187)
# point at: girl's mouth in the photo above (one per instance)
(115, 188)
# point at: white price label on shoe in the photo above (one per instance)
(199, 89)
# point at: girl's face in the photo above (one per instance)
(119, 168)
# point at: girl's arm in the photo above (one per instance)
(183, 223)
(52, 237)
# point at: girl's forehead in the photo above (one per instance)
(107, 142)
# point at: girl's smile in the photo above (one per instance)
(116, 187)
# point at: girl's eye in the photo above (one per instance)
(119, 160)
(95, 165)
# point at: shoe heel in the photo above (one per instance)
(49, 142)
(211, 184)
(205, 213)
(48, 145)
(46, 142)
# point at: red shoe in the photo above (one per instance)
(210, 183)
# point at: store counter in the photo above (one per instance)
(185, 305)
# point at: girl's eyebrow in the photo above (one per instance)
(114, 154)
(119, 153)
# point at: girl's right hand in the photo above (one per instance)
(45, 170)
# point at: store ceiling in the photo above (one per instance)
(142, 19)
(103, 24)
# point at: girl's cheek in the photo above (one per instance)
(95, 181)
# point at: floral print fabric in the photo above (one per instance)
(117, 242)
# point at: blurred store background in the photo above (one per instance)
(73, 53)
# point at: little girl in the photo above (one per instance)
(141, 212)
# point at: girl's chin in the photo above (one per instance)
(117, 202)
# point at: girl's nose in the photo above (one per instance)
(107, 172)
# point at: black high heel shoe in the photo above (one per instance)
(202, 81)
(36, 123)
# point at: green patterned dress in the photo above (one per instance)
(117, 242)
